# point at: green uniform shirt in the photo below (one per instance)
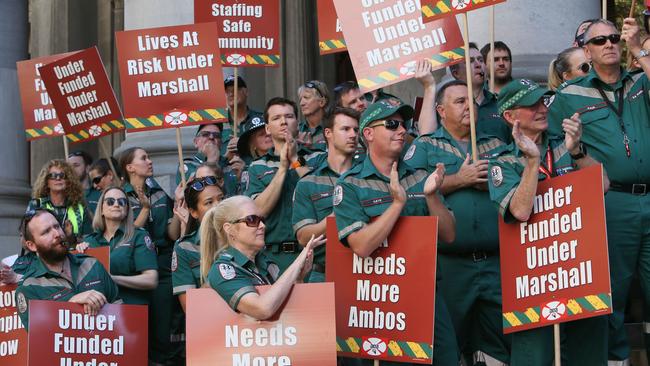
(506, 169)
(233, 275)
(92, 198)
(362, 193)
(22, 263)
(489, 121)
(227, 128)
(190, 165)
(128, 259)
(160, 214)
(39, 283)
(476, 216)
(76, 215)
(314, 138)
(601, 130)
(186, 263)
(312, 201)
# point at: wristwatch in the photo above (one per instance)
(581, 154)
(643, 53)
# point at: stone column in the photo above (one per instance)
(14, 152)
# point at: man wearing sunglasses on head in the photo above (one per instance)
(533, 156)
(56, 274)
(314, 100)
(614, 107)
(385, 188)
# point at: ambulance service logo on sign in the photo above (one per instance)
(553, 310)
(235, 59)
(460, 4)
(374, 346)
(95, 130)
(175, 118)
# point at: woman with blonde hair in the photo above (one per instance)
(233, 261)
(134, 266)
(57, 189)
(569, 64)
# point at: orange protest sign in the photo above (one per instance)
(39, 115)
(386, 39)
(436, 9)
(82, 95)
(385, 303)
(13, 337)
(171, 76)
(330, 36)
(555, 266)
(61, 334)
(249, 33)
(301, 333)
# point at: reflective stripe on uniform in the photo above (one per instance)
(182, 289)
(300, 224)
(646, 328)
(350, 228)
(480, 356)
(625, 362)
(237, 295)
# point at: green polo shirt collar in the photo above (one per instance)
(368, 169)
(39, 269)
(593, 78)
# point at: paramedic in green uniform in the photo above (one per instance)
(153, 210)
(314, 100)
(383, 187)
(469, 268)
(614, 107)
(201, 194)
(273, 178)
(244, 114)
(133, 260)
(101, 177)
(312, 201)
(57, 275)
(233, 233)
(57, 189)
(513, 177)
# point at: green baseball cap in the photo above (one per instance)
(384, 109)
(520, 93)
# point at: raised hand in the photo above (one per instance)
(423, 73)
(435, 179)
(524, 143)
(572, 133)
(396, 190)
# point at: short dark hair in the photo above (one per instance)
(103, 167)
(498, 45)
(29, 215)
(328, 122)
(342, 89)
(279, 101)
(84, 155)
(440, 94)
(455, 67)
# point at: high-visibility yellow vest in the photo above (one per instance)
(75, 214)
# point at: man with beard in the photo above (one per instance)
(348, 95)
(56, 274)
(489, 122)
(502, 64)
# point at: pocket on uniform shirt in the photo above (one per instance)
(588, 117)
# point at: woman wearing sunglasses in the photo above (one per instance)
(153, 211)
(134, 266)
(101, 177)
(57, 189)
(201, 194)
(233, 260)
(569, 64)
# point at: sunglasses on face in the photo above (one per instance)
(56, 176)
(601, 40)
(98, 179)
(390, 124)
(199, 184)
(250, 220)
(111, 201)
(584, 67)
(210, 135)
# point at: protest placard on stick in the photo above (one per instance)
(330, 36)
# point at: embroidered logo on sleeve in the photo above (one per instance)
(338, 195)
(497, 175)
(227, 271)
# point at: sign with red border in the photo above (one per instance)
(330, 36)
(13, 337)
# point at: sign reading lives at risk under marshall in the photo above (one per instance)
(60, 333)
(39, 116)
(386, 39)
(13, 337)
(301, 333)
(436, 9)
(171, 76)
(82, 95)
(330, 36)
(555, 266)
(385, 302)
(249, 31)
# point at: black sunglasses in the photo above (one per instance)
(199, 184)
(390, 124)
(313, 85)
(250, 220)
(584, 67)
(210, 135)
(56, 176)
(111, 201)
(98, 179)
(601, 40)
(29, 215)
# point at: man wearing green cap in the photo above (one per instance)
(531, 157)
(385, 188)
(469, 267)
(614, 107)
